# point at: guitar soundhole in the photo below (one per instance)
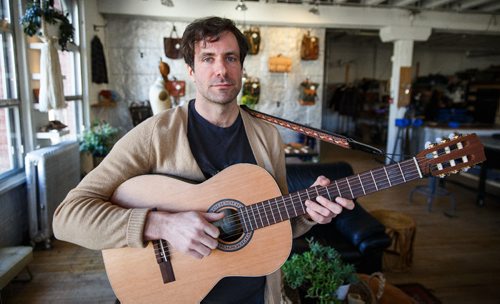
(230, 227)
(232, 237)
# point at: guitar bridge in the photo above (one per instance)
(163, 258)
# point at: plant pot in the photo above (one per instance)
(97, 160)
(342, 291)
(86, 163)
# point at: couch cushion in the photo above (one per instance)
(12, 261)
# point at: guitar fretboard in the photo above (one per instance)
(285, 207)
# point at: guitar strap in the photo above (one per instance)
(336, 139)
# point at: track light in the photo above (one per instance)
(168, 3)
(315, 9)
(241, 6)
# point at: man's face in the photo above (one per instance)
(217, 69)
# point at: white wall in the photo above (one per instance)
(135, 46)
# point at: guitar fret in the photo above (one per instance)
(278, 208)
(328, 192)
(338, 189)
(242, 217)
(265, 213)
(362, 187)
(368, 182)
(390, 185)
(293, 204)
(272, 212)
(302, 203)
(286, 209)
(402, 174)
(249, 220)
(374, 181)
(254, 217)
(350, 189)
(418, 168)
(260, 216)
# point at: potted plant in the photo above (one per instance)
(39, 10)
(96, 142)
(321, 272)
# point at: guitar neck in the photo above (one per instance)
(286, 207)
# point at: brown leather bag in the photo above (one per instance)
(308, 93)
(176, 88)
(309, 49)
(279, 64)
(253, 39)
(172, 45)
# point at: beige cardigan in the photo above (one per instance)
(159, 145)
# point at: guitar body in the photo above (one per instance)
(135, 274)
(264, 238)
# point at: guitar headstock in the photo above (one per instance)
(450, 156)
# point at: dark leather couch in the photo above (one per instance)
(355, 234)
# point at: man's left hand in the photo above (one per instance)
(322, 210)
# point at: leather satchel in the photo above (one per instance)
(279, 64)
(172, 45)
(253, 39)
(309, 49)
(308, 93)
(251, 91)
(176, 88)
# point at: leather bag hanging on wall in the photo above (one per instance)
(308, 92)
(253, 39)
(309, 49)
(172, 45)
(279, 64)
(176, 88)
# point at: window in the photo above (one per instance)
(10, 131)
(11, 106)
(72, 115)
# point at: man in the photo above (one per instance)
(193, 142)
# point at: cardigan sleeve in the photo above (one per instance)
(87, 217)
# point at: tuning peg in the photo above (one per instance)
(442, 175)
(428, 145)
(465, 169)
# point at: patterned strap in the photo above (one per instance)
(312, 132)
(339, 140)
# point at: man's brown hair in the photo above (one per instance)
(209, 30)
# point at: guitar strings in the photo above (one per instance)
(324, 191)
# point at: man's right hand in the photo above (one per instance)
(188, 232)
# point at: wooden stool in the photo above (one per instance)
(401, 228)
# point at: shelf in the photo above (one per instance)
(54, 135)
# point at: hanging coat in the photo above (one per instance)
(99, 71)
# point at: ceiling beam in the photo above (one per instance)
(472, 4)
(403, 2)
(373, 2)
(488, 8)
(436, 3)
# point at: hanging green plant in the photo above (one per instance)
(44, 9)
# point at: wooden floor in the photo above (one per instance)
(458, 258)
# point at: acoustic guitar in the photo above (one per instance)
(255, 233)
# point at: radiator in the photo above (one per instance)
(51, 173)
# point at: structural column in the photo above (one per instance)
(403, 39)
